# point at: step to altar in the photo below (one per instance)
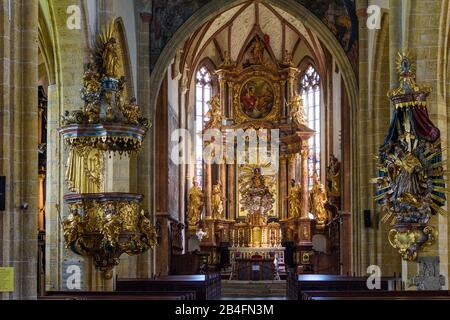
(238, 288)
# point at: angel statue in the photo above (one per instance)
(72, 227)
(297, 112)
(111, 229)
(318, 201)
(147, 229)
(295, 199)
(214, 114)
(217, 201)
(195, 205)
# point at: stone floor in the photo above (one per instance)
(253, 290)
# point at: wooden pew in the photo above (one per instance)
(297, 284)
(206, 287)
(114, 295)
(376, 295)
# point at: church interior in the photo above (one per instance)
(224, 149)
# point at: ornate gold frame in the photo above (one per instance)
(274, 82)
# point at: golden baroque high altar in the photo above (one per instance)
(265, 202)
(104, 225)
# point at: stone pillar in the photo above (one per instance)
(163, 251)
(19, 143)
(145, 159)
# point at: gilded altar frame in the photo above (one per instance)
(273, 80)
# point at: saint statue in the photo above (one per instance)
(257, 51)
(297, 112)
(217, 201)
(287, 58)
(195, 205)
(214, 114)
(110, 59)
(295, 199)
(318, 201)
(333, 177)
(405, 169)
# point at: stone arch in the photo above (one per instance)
(310, 21)
(125, 52)
(215, 7)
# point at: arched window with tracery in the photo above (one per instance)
(203, 93)
(310, 91)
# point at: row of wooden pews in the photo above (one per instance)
(114, 295)
(176, 287)
(337, 287)
(205, 286)
(376, 295)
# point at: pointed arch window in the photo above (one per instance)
(203, 93)
(310, 91)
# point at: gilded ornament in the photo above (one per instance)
(297, 111)
(195, 204)
(410, 185)
(295, 199)
(214, 114)
(217, 201)
(318, 201)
